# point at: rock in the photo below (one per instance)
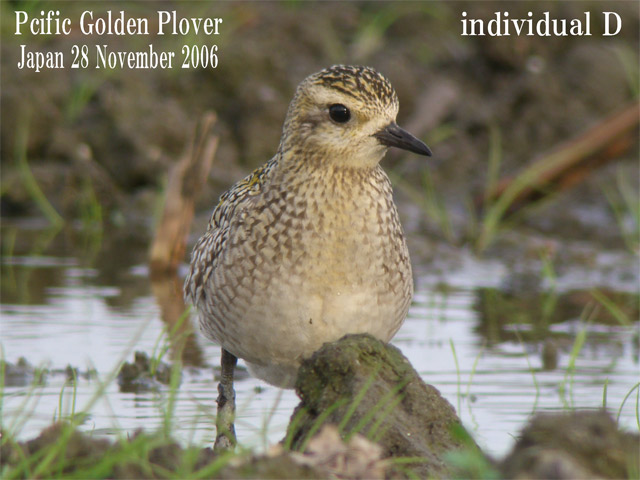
(581, 444)
(366, 387)
(142, 376)
(21, 374)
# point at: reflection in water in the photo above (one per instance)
(167, 291)
(516, 351)
(538, 319)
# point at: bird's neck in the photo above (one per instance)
(301, 149)
(305, 168)
(331, 183)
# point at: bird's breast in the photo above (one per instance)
(306, 265)
(338, 236)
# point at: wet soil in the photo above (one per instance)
(364, 413)
(582, 444)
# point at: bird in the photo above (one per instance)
(308, 247)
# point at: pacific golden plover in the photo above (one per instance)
(308, 247)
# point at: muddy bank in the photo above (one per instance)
(364, 413)
(563, 446)
(145, 456)
(582, 444)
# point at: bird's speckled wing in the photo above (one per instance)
(211, 244)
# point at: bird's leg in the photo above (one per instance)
(225, 431)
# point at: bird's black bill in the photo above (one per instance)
(394, 136)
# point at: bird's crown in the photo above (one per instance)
(363, 84)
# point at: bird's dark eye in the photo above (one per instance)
(339, 113)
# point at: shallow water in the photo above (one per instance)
(467, 334)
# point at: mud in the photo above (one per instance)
(144, 455)
(364, 413)
(583, 444)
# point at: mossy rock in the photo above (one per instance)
(139, 376)
(581, 444)
(365, 386)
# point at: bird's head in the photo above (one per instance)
(345, 115)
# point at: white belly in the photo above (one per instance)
(274, 345)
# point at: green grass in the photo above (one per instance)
(482, 230)
(266, 423)
(357, 400)
(91, 218)
(624, 202)
(604, 393)
(293, 428)
(550, 297)
(29, 402)
(470, 382)
(90, 211)
(536, 385)
(495, 159)
(16, 279)
(589, 313)
(469, 461)
(429, 201)
(455, 360)
(139, 450)
(320, 421)
(138, 455)
(635, 388)
(377, 430)
(171, 398)
(74, 395)
(614, 310)
(389, 399)
(72, 454)
(629, 59)
(29, 181)
(79, 97)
